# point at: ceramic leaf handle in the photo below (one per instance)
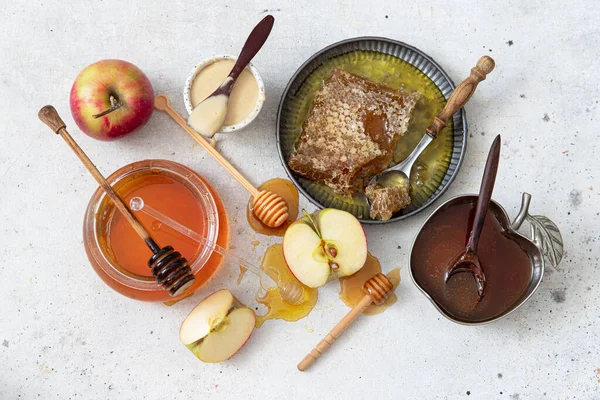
(49, 116)
(462, 94)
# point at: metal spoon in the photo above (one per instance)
(458, 99)
(468, 261)
(208, 116)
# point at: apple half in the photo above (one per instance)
(328, 244)
(217, 327)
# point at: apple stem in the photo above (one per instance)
(313, 223)
(114, 105)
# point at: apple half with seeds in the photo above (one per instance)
(217, 327)
(328, 244)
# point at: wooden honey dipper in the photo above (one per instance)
(267, 206)
(376, 290)
(169, 268)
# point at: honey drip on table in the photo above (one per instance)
(289, 193)
(274, 265)
(241, 275)
(351, 287)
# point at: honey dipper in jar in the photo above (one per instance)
(169, 268)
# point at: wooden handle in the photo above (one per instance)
(50, 117)
(485, 194)
(334, 333)
(462, 94)
(162, 103)
(254, 43)
(376, 289)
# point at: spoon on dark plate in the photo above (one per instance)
(399, 175)
(468, 261)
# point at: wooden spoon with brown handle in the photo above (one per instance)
(468, 260)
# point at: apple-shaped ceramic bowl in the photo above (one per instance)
(543, 244)
(187, 97)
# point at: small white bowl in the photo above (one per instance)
(187, 98)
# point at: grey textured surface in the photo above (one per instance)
(64, 334)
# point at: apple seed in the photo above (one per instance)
(333, 252)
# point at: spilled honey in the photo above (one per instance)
(274, 265)
(289, 193)
(351, 287)
(241, 275)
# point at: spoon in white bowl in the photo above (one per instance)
(208, 116)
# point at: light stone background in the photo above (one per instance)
(65, 335)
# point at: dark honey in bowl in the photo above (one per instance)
(507, 266)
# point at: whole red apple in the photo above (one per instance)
(110, 99)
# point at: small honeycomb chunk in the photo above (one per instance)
(387, 200)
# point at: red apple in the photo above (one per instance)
(110, 99)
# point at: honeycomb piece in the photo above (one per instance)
(351, 131)
(386, 201)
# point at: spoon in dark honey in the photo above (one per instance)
(468, 261)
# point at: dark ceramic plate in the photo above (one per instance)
(394, 64)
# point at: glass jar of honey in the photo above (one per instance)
(120, 257)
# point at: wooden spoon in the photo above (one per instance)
(268, 207)
(468, 261)
(208, 117)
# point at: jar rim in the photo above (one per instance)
(178, 172)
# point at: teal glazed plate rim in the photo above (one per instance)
(403, 51)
